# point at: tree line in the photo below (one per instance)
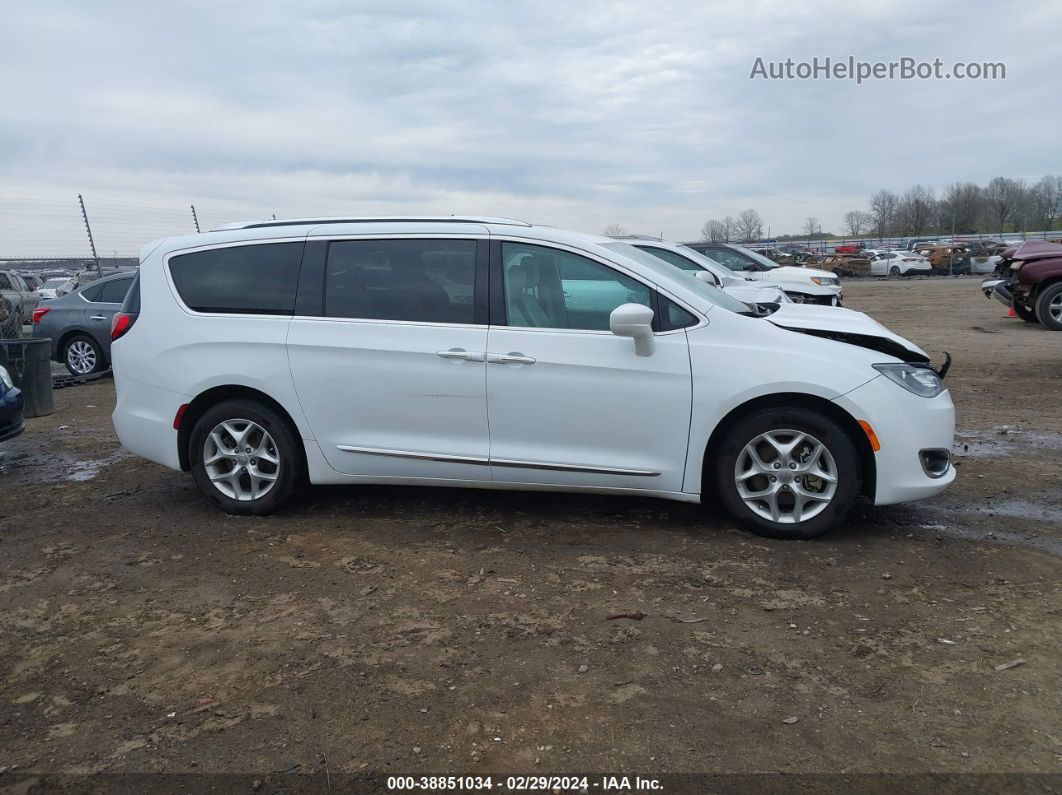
(1001, 205)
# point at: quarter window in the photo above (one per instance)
(5, 283)
(426, 281)
(549, 288)
(259, 279)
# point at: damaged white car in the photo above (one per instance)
(488, 353)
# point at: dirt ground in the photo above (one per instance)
(374, 631)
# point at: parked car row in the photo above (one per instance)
(1028, 279)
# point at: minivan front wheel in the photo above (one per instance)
(244, 457)
(788, 472)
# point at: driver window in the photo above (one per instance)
(549, 288)
(731, 259)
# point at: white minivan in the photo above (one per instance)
(488, 353)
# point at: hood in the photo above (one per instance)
(791, 273)
(1034, 249)
(849, 326)
(756, 293)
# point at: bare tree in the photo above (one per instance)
(811, 226)
(1002, 196)
(614, 230)
(749, 226)
(715, 230)
(915, 210)
(960, 207)
(1042, 202)
(883, 206)
(857, 222)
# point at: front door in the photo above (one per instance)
(389, 368)
(568, 402)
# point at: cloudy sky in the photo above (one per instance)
(573, 114)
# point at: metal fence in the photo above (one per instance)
(91, 227)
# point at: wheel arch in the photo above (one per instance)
(79, 331)
(211, 397)
(868, 468)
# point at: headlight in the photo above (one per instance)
(922, 381)
(824, 281)
(1016, 266)
(5, 379)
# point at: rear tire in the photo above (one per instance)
(753, 452)
(894, 271)
(1049, 307)
(82, 355)
(239, 482)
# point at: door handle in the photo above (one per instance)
(510, 358)
(461, 354)
(97, 317)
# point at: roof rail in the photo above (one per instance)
(636, 237)
(445, 219)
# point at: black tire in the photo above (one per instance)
(290, 472)
(82, 342)
(1052, 294)
(1026, 314)
(894, 270)
(832, 436)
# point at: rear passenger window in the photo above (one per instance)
(257, 280)
(114, 292)
(92, 293)
(427, 281)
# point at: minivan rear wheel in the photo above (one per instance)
(245, 458)
(788, 473)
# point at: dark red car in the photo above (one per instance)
(1034, 282)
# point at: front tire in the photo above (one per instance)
(1049, 307)
(790, 473)
(894, 271)
(1026, 314)
(245, 458)
(82, 355)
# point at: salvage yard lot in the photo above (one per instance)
(385, 630)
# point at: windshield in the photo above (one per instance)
(697, 286)
(765, 261)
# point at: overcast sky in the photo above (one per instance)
(572, 114)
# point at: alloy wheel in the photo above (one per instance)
(81, 357)
(1055, 308)
(241, 459)
(786, 476)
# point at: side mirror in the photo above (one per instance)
(707, 276)
(635, 321)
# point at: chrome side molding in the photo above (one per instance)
(512, 463)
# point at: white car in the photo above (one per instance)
(488, 353)
(802, 285)
(884, 262)
(740, 287)
(55, 288)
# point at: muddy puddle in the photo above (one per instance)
(1004, 441)
(1000, 521)
(24, 463)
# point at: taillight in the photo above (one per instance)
(122, 322)
(40, 312)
